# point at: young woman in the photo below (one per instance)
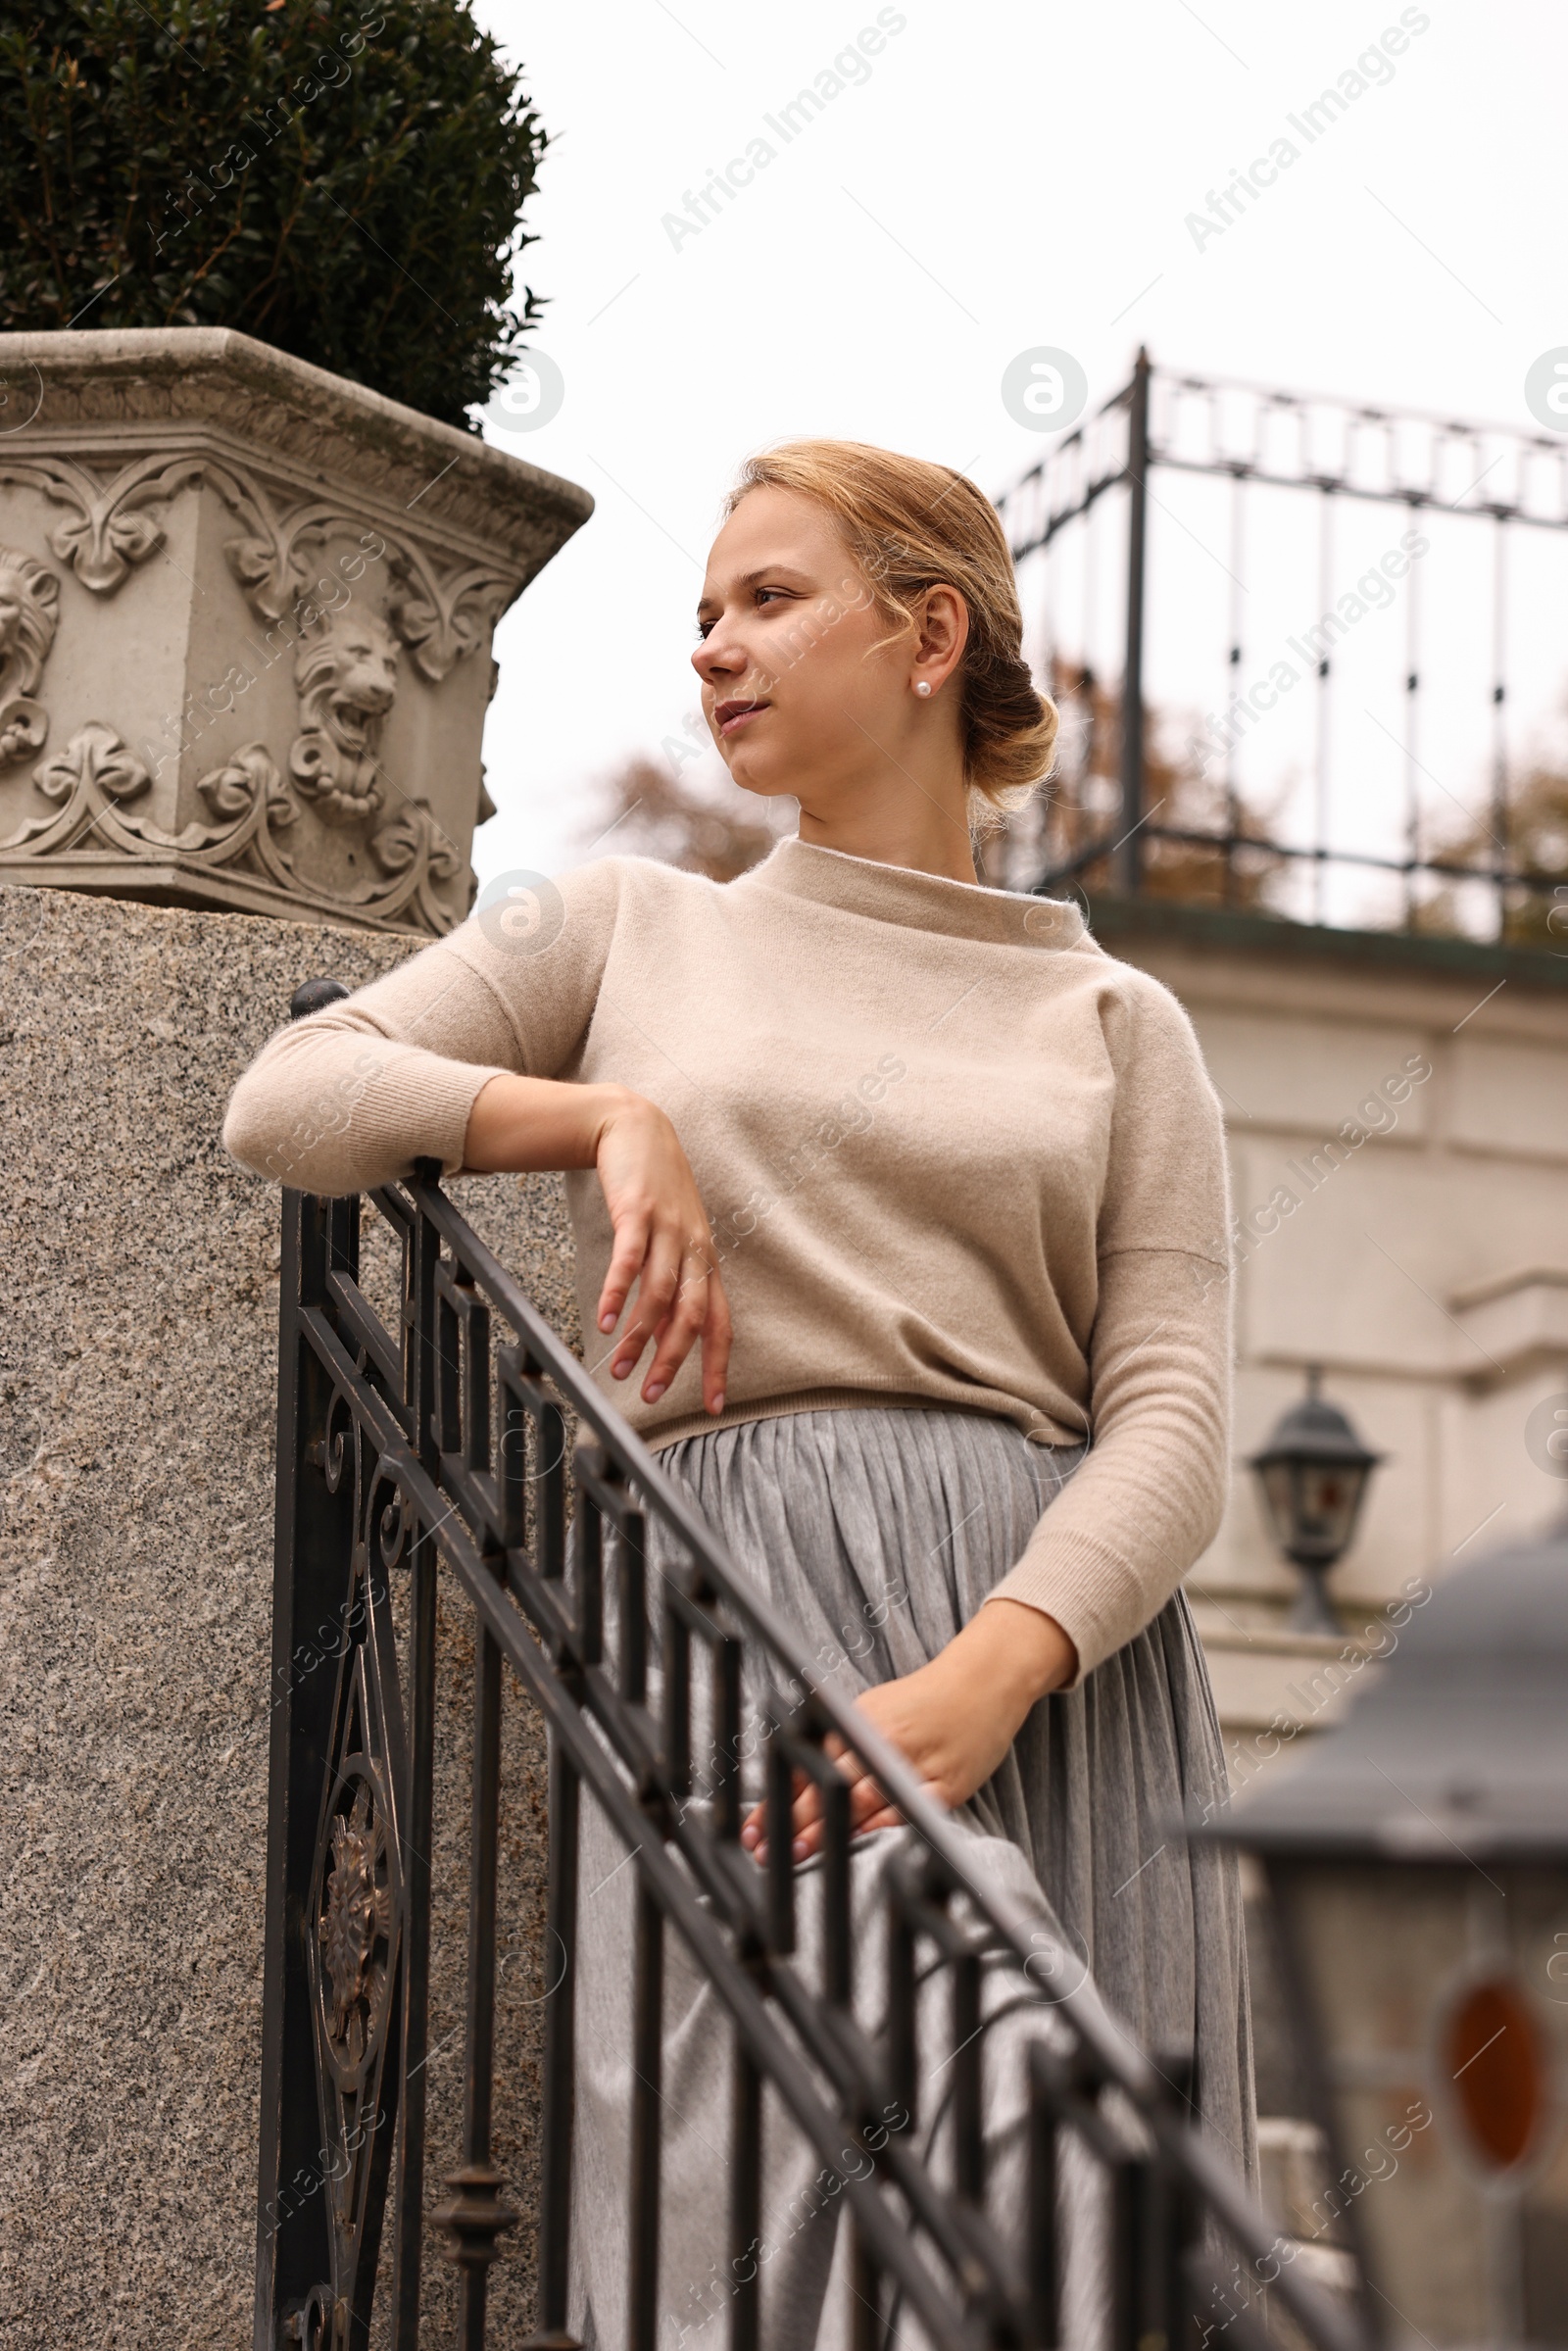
(907, 1204)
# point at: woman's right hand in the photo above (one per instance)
(662, 1243)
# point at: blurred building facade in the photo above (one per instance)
(1397, 1116)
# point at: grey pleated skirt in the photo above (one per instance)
(877, 1533)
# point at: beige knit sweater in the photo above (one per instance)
(952, 1152)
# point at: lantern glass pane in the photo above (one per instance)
(1326, 1499)
(1443, 2040)
(1496, 2058)
(1279, 1498)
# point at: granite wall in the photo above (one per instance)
(137, 1364)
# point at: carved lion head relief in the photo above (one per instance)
(346, 676)
(29, 614)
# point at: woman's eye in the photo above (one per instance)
(759, 595)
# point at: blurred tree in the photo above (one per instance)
(643, 811)
(343, 182)
(1535, 842)
(1079, 807)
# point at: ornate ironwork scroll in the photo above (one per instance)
(356, 1902)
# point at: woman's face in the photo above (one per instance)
(798, 687)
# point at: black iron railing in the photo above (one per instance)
(461, 1439)
(1337, 453)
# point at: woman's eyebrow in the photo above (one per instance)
(754, 579)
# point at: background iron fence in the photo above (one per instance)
(1408, 774)
(457, 1436)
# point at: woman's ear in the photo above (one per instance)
(942, 633)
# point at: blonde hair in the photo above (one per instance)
(909, 525)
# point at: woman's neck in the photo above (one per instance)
(906, 824)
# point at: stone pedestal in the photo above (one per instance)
(137, 1406)
(245, 620)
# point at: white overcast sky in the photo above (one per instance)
(1008, 175)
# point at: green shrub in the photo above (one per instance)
(343, 182)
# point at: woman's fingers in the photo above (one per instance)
(754, 1825)
(867, 1803)
(679, 1300)
(862, 1788)
(716, 1337)
(805, 1809)
(686, 1317)
(625, 1263)
(657, 1281)
(869, 1809)
(866, 1798)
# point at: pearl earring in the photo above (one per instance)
(923, 685)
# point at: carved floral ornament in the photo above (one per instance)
(345, 673)
(108, 532)
(96, 774)
(94, 761)
(441, 617)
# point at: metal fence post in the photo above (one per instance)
(1129, 861)
(312, 1542)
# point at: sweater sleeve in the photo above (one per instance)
(351, 1096)
(1148, 1497)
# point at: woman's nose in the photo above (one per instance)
(715, 657)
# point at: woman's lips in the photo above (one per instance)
(731, 715)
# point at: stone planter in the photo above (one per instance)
(245, 620)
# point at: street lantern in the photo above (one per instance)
(1313, 1474)
(1417, 1862)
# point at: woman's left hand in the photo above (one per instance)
(954, 1719)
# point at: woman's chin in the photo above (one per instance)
(764, 777)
